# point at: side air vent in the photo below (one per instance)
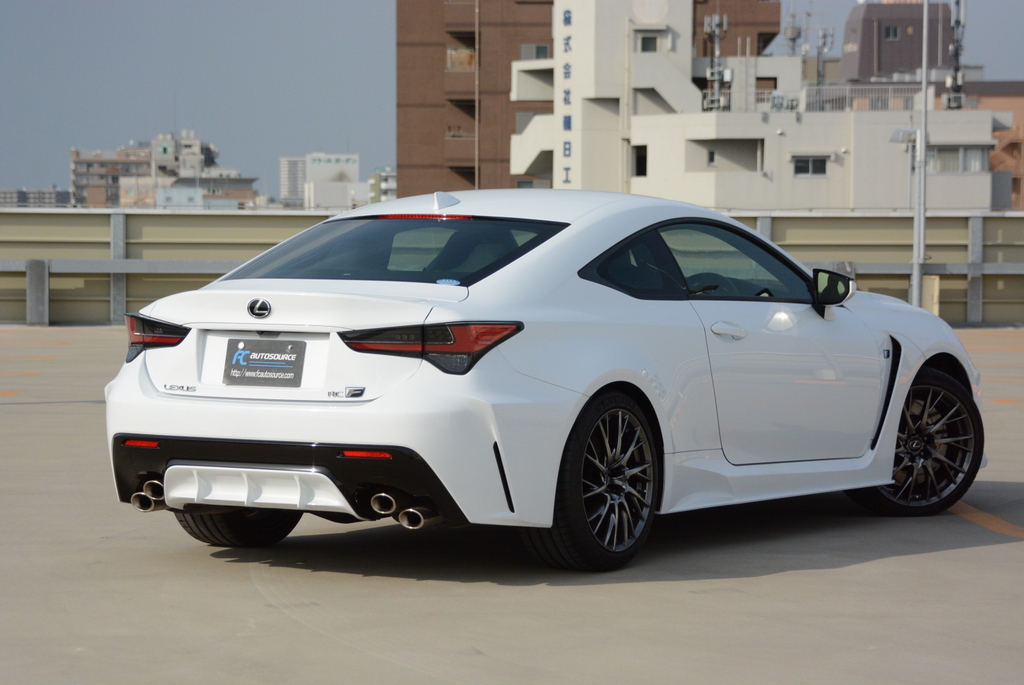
(894, 372)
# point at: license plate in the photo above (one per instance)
(276, 363)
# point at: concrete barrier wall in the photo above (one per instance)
(102, 263)
(149, 236)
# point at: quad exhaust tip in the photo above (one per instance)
(417, 518)
(384, 503)
(154, 490)
(399, 506)
(151, 498)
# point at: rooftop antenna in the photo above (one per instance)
(792, 33)
(826, 38)
(715, 26)
(806, 47)
(954, 99)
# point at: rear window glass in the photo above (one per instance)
(421, 250)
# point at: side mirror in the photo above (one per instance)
(831, 289)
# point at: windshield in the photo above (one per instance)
(422, 250)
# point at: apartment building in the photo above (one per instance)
(629, 114)
(454, 115)
(131, 176)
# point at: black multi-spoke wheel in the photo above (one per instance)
(938, 450)
(608, 489)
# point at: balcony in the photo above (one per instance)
(459, 85)
(459, 16)
(533, 80)
(459, 149)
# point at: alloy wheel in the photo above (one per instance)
(618, 475)
(935, 447)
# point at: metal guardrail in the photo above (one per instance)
(38, 272)
(37, 277)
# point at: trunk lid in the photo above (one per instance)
(293, 353)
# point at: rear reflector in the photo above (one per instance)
(149, 444)
(366, 454)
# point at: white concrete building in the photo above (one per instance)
(332, 182)
(628, 117)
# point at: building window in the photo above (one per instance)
(459, 59)
(711, 158)
(534, 51)
(957, 160)
(648, 43)
(891, 32)
(639, 160)
(809, 166)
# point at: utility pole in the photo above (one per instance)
(921, 147)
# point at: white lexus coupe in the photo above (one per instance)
(568, 362)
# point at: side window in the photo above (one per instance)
(720, 264)
(642, 267)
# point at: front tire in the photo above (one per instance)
(939, 447)
(609, 487)
(240, 528)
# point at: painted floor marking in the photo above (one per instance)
(30, 343)
(8, 393)
(26, 359)
(993, 523)
(1009, 401)
(12, 374)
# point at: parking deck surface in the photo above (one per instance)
(807, 590)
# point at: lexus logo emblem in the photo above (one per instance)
(259, 308)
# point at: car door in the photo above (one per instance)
(789, 385)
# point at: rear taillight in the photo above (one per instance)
(145, 333)
(453, 348)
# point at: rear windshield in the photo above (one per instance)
(421, 250)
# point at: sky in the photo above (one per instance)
(259, 79)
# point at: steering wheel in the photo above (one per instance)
(707, 283)
(764, 292)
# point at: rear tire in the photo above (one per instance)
(241, 528)
(938, 450)
(609, 486)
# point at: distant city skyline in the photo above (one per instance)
(260, 80)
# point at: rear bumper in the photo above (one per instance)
(447, 433)
(357, 479)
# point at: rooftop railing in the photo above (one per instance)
(816, 99)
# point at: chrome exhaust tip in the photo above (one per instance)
(144, 503)
(384, 503)
(154, 490)
(417, 518)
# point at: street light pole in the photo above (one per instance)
(921, 147)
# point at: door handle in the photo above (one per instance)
(722, 328)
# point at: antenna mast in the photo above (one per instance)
(954, 99)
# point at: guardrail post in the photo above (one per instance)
(975, 266)
(118, 281)
(37, 292)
